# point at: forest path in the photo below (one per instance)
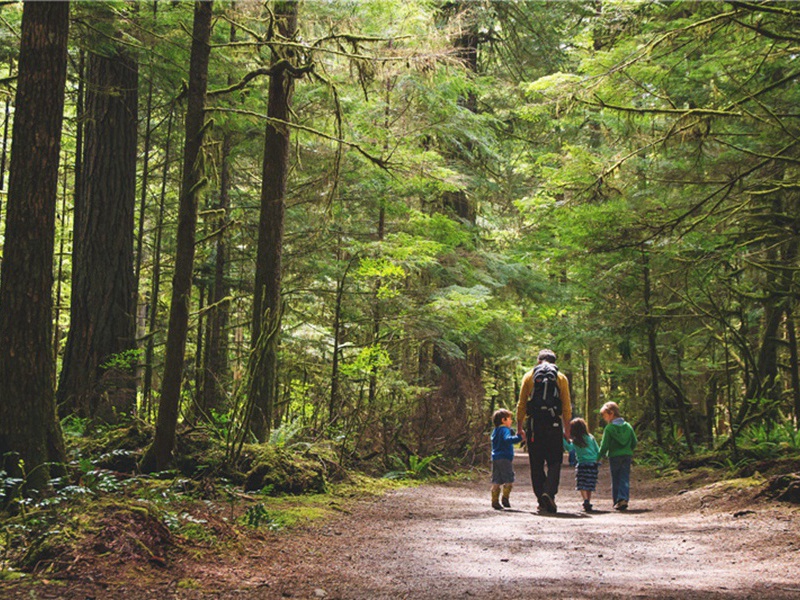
(445, 541)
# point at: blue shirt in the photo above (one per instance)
(503, 440)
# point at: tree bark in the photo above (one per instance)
(102, 314)
(593, 395)
(267, 296)
(215, 364)
(147, 383)
(652, 347)
(29, 428)
(159, 455)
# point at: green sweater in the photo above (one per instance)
(619, 439)
(588, 454)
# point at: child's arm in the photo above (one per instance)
(514, 438)
(603, 447)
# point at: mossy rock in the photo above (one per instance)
(281, 472)
(197, 453)
(132, 437)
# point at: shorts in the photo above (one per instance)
(502, 471)
(586, 476)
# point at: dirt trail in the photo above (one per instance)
(445, 541)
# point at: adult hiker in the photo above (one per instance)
(544, 411)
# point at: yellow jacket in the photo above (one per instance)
(525, 394)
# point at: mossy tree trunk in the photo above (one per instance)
(29, 428)
(96, 381)
(267, 296)
(159, 455)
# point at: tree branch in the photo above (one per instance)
(278, 67)
(379, 162)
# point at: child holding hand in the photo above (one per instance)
(503, 440)
(587, 452)
(619, 442)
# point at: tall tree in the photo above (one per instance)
(159, 454)
(97, 378)
(215, 360)
(267, 298)
(28, 425)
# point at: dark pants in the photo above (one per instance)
(545, 455)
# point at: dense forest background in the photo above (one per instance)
(356, 223)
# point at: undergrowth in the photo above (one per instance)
(757, 448)
(103, 507)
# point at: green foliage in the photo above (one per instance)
(663, 460)
(125, 360)
(416, 468)
(258, 516)
(283, 435)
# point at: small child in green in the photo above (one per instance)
(503, 440)
(587, 452)
(619, 442)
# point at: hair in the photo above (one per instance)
(578, 432)
(611, 407)
(547, 355)
(499, 415)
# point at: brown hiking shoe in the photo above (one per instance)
(505, 502)
(496, 505)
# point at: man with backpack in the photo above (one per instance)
(544, 411)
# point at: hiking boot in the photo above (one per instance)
(621, 505)
(505, 502)
(496, 505)
(548, 503)
(587, 506)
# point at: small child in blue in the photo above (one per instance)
(587, 452)
(503, 440)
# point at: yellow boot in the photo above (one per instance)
(496, 497)
(506, 494)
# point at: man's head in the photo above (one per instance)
(547, 355)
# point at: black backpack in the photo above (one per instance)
(544, 404)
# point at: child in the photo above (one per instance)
(587, 452)
(503, 440)
(619, 442)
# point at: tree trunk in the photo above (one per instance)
(593, 391)
(681, 401)
(652, 348)
(29, 428)
(763, 383)
(102, 315)
(215, 365)
(215, 368)
(147, 383)
(4, 152)
(159, 454)
(794, 370)
(267, 296)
